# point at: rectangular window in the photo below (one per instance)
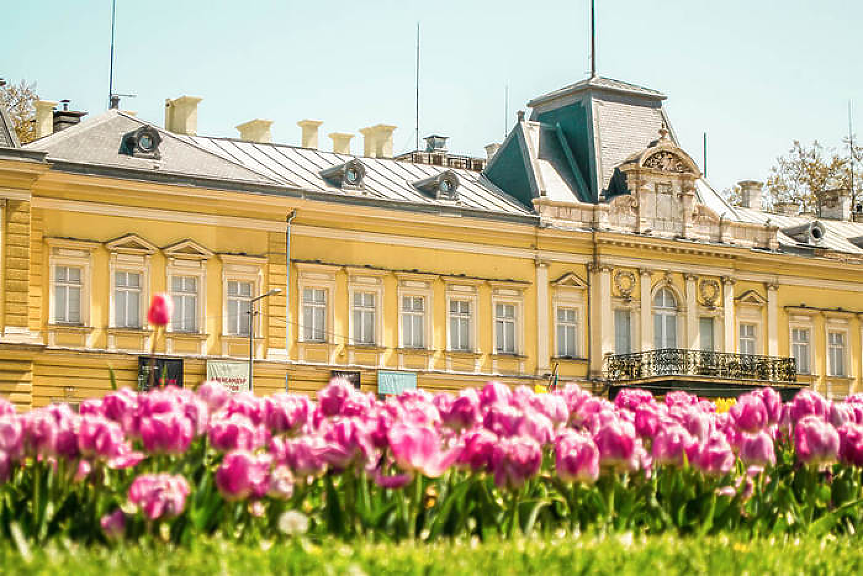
(67, 295)
(460, 325)
(836, 350)
(413, 321)
(314, 314)
(184, 293)
(239, 297)
(567, 332)
(705, 333)
(504, 324)
(748, 339)
(622, 332)
(800, 349)
(127, 299)
(364, 318)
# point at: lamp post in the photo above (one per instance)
(252, 334)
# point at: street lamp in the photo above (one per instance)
(252, 333)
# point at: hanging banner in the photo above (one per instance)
(352, 376)
(231, 374)
(394, 383)
(168, 372)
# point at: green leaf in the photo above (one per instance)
(113, 378)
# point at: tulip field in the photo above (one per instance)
(175, 466)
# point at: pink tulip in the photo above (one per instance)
(757, 449)
(515, 460)
(714, 457)
(418, 449)
(5, 467)
(334, 395)
(680, 398)
(807, 403)
(99, 437)
(619, 448)
(286, 413)
(494, 393)
(772, 403)
(242, 475)
(40, 433)
(647, 421)
(749, 413)
(114, 524)
(577, 458)
(214, 394)
(840, 413)
(573, 395)
(304, 455)
(245, 404)
(815, 441)
(851, 444)
(672, 445)
(503, 419)
(161, 309)
(166, 433)
(6, 408)
(159, 495)
(393, 482)
(552, 407)
(281, 486)
(348, 443)
(632, 398)
(11, 437)
(478, 450)
(236, 433)
(462, 412)
(537, 426)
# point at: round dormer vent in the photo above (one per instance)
(817, 230)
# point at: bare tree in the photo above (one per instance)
(804, 174)
(19, 100)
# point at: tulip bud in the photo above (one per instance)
(161, 309)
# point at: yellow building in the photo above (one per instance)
(589, 243)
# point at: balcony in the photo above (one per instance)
(708, 374)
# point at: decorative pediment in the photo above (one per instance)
(664, 156)
(751, 298)
(569, 280)
(187, 249)
(131, 244)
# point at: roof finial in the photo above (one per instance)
(593, 38)
(663, 132)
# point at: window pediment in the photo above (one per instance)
(187, 249)
(751, 298)
(570, 280)
(131, 244)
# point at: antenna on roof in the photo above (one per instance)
(418, 90)
(851, 153)
(111, 70)
(593, 38)
(505, 110)
(704, 163)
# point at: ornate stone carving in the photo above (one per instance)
(710, 292)
(665, 161)
(624, 281)
(625, 205)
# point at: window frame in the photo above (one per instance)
(508, 294)
(755, 339)
(371, 284)
(315, 305)
(504, 320)
(569, 292)
(666, 313)
(115, 293)
(189, 268)
(810, 344)
(317, 277)
(412, 285)
(248, 269)
(560, 347)
(830, 330)
(468, 293)
(74, 254)
(629, 313)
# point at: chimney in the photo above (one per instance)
(341, 142)
(256, 130)
(491, 150)
(786, 208)
(378, 141)
(309, 138)
(44, 118)
(835, 204)
(65, 118)
(181, 115)
(750, 194)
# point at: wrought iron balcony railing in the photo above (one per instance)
(681, 362)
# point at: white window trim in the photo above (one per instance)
(321, 277)
(840, 326)
(77, 254)
(411, 285)
(505, 293)
(241, 269)
(806, 322)
(189, 266)
(469, 293)
(373, 284)
(750, 314)
(134, 264)
(570, 297)
(680, 312)
(718, 324)
(633, 326)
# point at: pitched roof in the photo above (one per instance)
(838, 236)
(599, 83)
(8, 138)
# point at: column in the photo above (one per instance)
(542, 315)
(693, 335)
(772, 320)
(646, 310)
(728, 312)
(595, 303)
(606, 318)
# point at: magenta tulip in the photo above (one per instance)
(816, 442)
(159, 495)
(11, 437)
(576, 458)
(749, 413)
(214, 394)
(242, 475)
(161, 309)
(235, 432)
(714, 457)
(757, 449)
(113, 524)
(851, 444)
(166, 433)
(515, 460)
(418, 449)
(99, 437)
(672, 445)
(619, 447)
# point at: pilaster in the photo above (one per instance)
(542, 319)
(728, 313)
(693, 336)
(646, 309)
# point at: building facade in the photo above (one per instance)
(589, 245)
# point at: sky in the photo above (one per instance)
(754, 75)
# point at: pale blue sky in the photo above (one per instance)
(755, 75)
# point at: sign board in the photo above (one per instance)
(169, 372)
(231, 374)
(352, 376)
(394, 383)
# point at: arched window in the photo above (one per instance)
(664, 319)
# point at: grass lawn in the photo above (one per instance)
(645, 556)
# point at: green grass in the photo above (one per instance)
(644, 556)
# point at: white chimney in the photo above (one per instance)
(750, 194)
(835, 205)
(257, 130)
(310, 133)
(44, 118)
(341, 142)
(378, 141)
(491, 150)
(181, 115)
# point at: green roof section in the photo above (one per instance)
(572, 123)
(508, 169)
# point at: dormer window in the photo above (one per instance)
(809, 233)
(347, 175)
(143, 143)
(443, 186)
